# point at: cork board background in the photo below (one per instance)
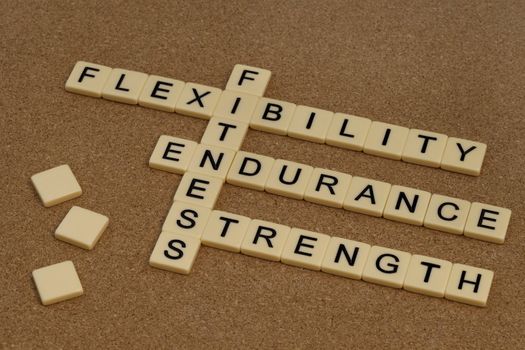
(449, 66)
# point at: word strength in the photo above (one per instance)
(206, 166)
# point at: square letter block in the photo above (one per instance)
(487, 223)
(250, 80)
(272, 116)
(310, 124)
(161, 93)
(212, 161)
(427, 276)
(469, 285)
(387, 267)
(198, 100)
(124, 86)
(305, 249)
(175, 252)
(463, 156)
(226, 133)
(236, 106)
(345, 258)
(225, 231)
(288, 179)
(367, 196)
(88, 79)
(386, 140)
(57, 282)
(250, 170)
(265, 240)
(424, 148)
(82, 227)
(199, 189)
(186, 219)
(406, 205)
(348, 131)
(172, 154)
(56, 185)
(447, 214)
(327, 187)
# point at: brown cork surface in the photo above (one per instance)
(451, 67)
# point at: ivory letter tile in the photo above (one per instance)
(82, 227)
(186, 219)
(447, 214)
(161, 93)
(57, 282)
(88, 79)
(212, 161)
(463, 156)
(305, 249)
(386, 140)
(172, 154)
(56, 185)
(327, 187)
(175, 252)
(407, 205)
(348, 131)
(424, 148)
(386, 266)
(198, 100)
(199, 189)
(288, 179)
(487, 222)
(124, 86)
(250, 170)
(225, 231)
(250, 80)
(310, 124)
(236, 106)
(427, 276)
(469, 285)
(265, 240)
(272, 116)
(226, 133)
(367, 196)
(345, 258)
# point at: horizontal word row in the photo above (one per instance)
(206, 167)
(187, 226)
(242, 101)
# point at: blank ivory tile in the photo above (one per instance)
(88, 79)
(161, 93)
(305, 249)
(265, 240)
(386, 140)
(198, 189)
(407, 205)
(250, 80)
(272, 116)
(225, 231)
(124, 86)
(250, 170)
(387, 267)
(172, 154)
(288, 179)
(427, 276)
(175, 252)
(345, 258)
(198, 100)
(424, 148)
(226, 133)
(236, 106)
(211, 160)
(310, 124)
(348, 131)
(82, 227)
(463, 156)
(56, 185)
(469, 285)
(487, 222)
(186, 219)
(447, 214)
(327, 187)
(57, 282)
(367, 196)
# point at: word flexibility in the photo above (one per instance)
(243, 101)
